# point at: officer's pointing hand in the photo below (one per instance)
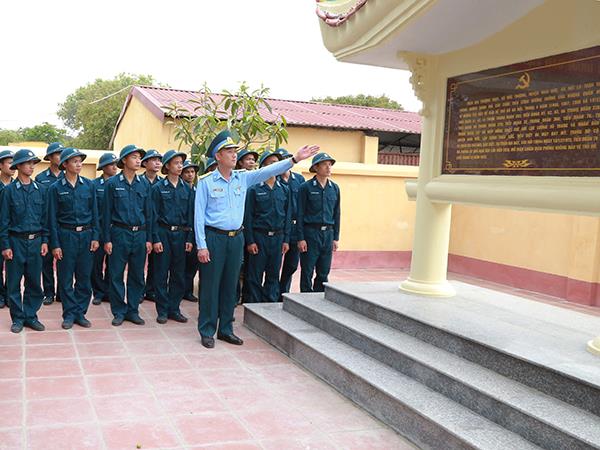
(302, 247)
(94, 246)
(203, 255)
(7, 254)
(108, 248)
(306, 152)
(252, 249)
(44, 249)
(148, 248)
(158, 247)
(57, 253)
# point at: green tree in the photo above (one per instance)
(45, 132)
(92, 110)
(383, 101)
(8, 136)
(239, 111)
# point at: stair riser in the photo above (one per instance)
(425, 433)
(482, 404)
(545, 380)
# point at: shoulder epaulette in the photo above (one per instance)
(201, 177)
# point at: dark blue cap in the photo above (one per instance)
(106, 159)
(22, 156)
(243, 152)
(318, 158)
(210, 162)
(188, 163)
(284, 153)
(151, 154)
(128, 150)
(169, 155)
(6, 154)
(69, 153)
(266, 154)
(55, 147)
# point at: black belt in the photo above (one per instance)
(27, 236)
(129, 227)
(269, 232)
(174, 227)
(319, 226)
(75, 227)
(230, 233)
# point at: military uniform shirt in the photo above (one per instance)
(293, 184)
(268, 210)
(72, 206)
(151, 183)
(319, 206)
(47, 178)
(99, 186)
(125, 203)
(22, 210)
(220, 203)
(172, 206)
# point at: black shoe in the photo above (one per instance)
(48, 300)
(117, 321)
(207, 341)
(233, 319)
(35, 325)
(178, 317)
(161, 319)
(230, 339)
(16, 327)
(67, 324)
(96, 301)
(150, 297)
(57, 298)
(2, 303)
(83, 322)
(136, 319)
(191, 298)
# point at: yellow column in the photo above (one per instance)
(429, 263)
(370, 149)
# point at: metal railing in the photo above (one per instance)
(403, 159)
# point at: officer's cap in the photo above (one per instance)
(169, 155)
(55, 147)
(22, 156)
(106, 159)
(265, 155)
(188, 163)
(6, 154)
(221, 141)
(284, 153)
(128, 150)
(151, 154)
(318, 158)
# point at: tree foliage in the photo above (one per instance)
(92, 110)
(45, 132)
(383, 101)
(238, 111)
(8, 136)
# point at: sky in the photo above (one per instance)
(49, 49)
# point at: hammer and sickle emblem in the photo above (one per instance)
(524, 81)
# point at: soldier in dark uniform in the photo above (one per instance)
(292, 180)
(173, 216)
(74, 236)
(45, 179)
(246, 159)
(6, 174)
(126, 233)
(190, 170)
(267, 224)
(108, 165)
(24, 242)
(318, 224)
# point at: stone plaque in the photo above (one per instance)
(540, 117)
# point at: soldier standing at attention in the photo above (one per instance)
(24, 242)
(108, 165)
(6, 174)
(219, 212)
(293, 181)
(246, 159)
(126, 233)
(267, 224)
(318, 224)
(188, 175)
(152, 162)
(173, 217)
(45, 179)
(74, 231)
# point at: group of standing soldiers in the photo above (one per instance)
(96, 229)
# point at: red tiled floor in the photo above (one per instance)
(188, 381)
(146, 434)
(104, 365)
(52, 367)
(59, 412)
(163, 363)
(60, 387)
(67, 437)
(47, 337)
(116, 384)
(10, 353)
(12, 439)
(11, 369)
(92, 335)
(119, 408)
(12, 415)
(11, 390)
(94, 349)
(50, 351)
(211, 428)
(179, 404)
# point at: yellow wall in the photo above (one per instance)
(343, 145)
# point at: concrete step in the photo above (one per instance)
(539, 345)
(541, 419)
(424, 416)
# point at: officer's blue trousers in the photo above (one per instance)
(100, 274)
(289, 267)
(26, 262)
(267, 264)
(169, 276)
(128, 249)
(316, 258)
(77, 262)
(191, 269)
(48, 275)
(150, 287)
(219, 283)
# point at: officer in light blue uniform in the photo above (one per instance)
(45, 179)
(108, 165)
(74, 236)
(267, 223)
(318, 224)
(24, 241)
(173, 217)
(152, 162)
(219, 213)
(292, 180)
(6, 173)
(188, 175)
(127, 235)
